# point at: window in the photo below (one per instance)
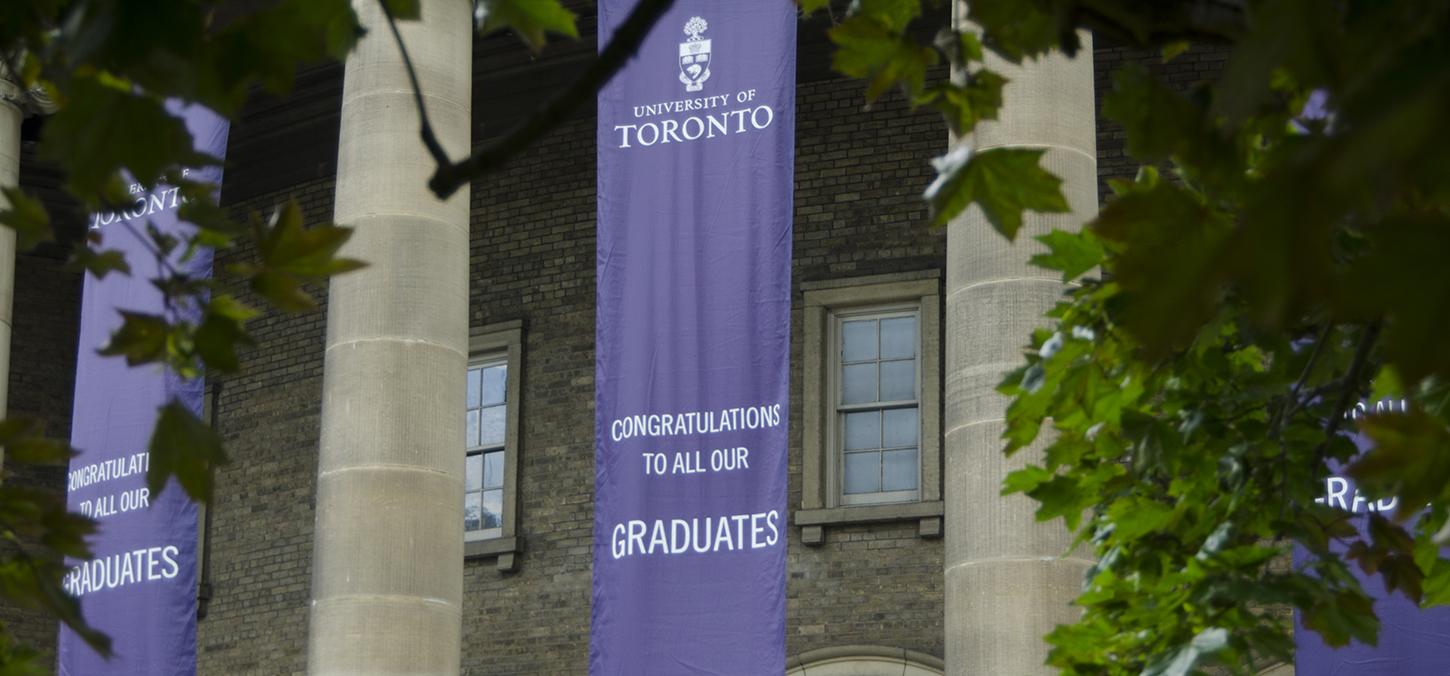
(491, 443)
(871, 403)
(877, 405)
(487, 413)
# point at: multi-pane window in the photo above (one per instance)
(877, 407)
(870, 402)
(486, 431)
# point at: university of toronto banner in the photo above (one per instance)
(140, 587)
(695, 144)
(1412, 641)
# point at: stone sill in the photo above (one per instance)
(506, 549)
(928, 516)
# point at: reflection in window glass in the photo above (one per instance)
(485, 434)
(878, 420)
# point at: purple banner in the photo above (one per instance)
(1412, 641)
(140, 587)
(695, 142)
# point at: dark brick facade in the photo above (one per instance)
(42, 365)
(859, 176)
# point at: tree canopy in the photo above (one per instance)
(1277, 260)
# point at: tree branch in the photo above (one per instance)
(430, 140)
(1352, 379)
(626, 40)
(1293, 404)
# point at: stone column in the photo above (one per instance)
(387, 569)
(1008, 582)
(15, 103)
(12, 100)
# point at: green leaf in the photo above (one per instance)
(1136, 517)
(38, 451)
(1173, 49)
(529, 19)
(1403, 275)
(217, 339)
(1186, 660)
(1343, 616)
(1061, 496)
(99, 263)
(26, 216)
(1004, 182)
(1386, 385)
(964, 106)
(1016, 30)
(1436, 586)
(186, 448)
(1071, 253)
(1163, 123)
(23, 442)
(292, 255)
(94, 136)
(1410, 459)
(892, 14)
(142, 338)
(809, 7)
(228, 306)
(868, 49)
(283, 291)
(1025, 479)
(971, 46)
(1172, 266)
(308, 253)
(38, 516)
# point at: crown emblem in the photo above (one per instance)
(695, 55)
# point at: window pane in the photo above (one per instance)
(858, 383)
(493, 470)
(863, 472)
(493, 384)
(492, 426)
(898, 337)
(475, 387)
(473, 472)
(492, 509)
(899, 470)
(898, 380)
(863, 430)
(900, 427)
(858, 340)
(472, 511)
(470, 438)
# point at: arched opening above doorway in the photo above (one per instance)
(863, 660)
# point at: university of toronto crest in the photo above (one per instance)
(695, 55)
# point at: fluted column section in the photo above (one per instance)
(11, 100)
(1007, 581)
(387, 580)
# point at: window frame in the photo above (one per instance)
(836, 479)
(825, 303)
(493, 343)
(486, 360)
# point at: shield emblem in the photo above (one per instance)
(694, 64)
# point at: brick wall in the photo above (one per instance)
(1184, 71)
(261, 516)
(46, 319)
(859, 178)
(859, 174)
